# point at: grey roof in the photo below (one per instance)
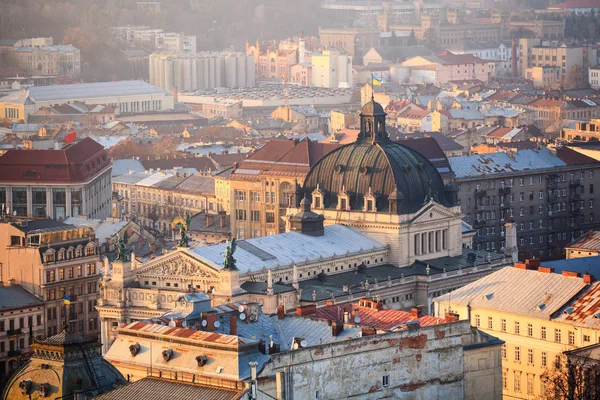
(120, 167)
(329, 285)
(314, 332)
(151, 389)
(501, 162)
(582, 265)
(25, 127)
(285, 248)
(47, 225)
(65, 338)
(14, 296)
(467, 114)
(197, 184)
(198, 223)
(58, 47)
(130, 178)
(93, 90)
(518, 291)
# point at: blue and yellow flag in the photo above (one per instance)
(376, 81)
(67, 300)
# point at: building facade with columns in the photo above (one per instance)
(58, 184)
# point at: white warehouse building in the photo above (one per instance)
(202, 71)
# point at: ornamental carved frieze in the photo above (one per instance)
(181, 266)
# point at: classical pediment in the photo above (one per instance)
(432, 212)
(179, 263)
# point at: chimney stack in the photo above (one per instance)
(417, 312)
(233, 325)
(451, 317)
(222, 220)
(175, 95)
(280, 312)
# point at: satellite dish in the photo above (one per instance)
(184, 324)
(242, 316)
(241, 308)
(303, 343)
(357, 319)
(204, 323)
(172, 323)
(217, 324)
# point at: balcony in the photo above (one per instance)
(576, 211)
(576, 196)
(504, 191)
(13, 332)
(483, 207)
(551, 198)
(574, 182)
(480, 192)
(506, 205)
(14, 353)
(552, 184)
(479, 223)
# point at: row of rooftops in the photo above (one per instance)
(563, 291)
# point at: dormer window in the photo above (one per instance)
(370, 202)
(343, 200)
(317, 198)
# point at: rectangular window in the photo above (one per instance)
(517, 381)
(517, 353)
(529, 330)
(477, 321)
(544, 359)
(503, 325)
(386, 380)
(557, 335)
(571, 338)
(517, 327)
(490, 323)
(530, 379)
(255, 215)
(543, 332)
(503, 351)
(270, 217)
(240, 215)
(530, 356)
(504, 379)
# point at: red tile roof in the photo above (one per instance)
(285, 157)
(499, 132)
(586, 308)
(546, 103)
(572, 157)
(77, 162)
(414, 113)
(381, 320)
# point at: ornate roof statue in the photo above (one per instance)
(229, 260)
(123, 252)
(182, 225)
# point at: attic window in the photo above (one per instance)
(569, 310)
(540, 307)
(488, 296)
(339, 168)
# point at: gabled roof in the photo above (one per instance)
(450, 58)
(283, 249)
(75, 163)
(589, 241)
(15, 296)
(518, 291)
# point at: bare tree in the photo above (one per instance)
(576, 78)
(575, 376)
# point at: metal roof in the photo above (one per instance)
(151, 388)
(14, 296)
(467, 114)
(581, 265)
(585, 311)
(502, 162)
(589, 241)
(93, 90)
(291, 247)
(518, 291)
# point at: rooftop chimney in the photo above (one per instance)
(175, 96)
(417, 312)
(451, 317)
(233, 325)
(222, 220)
(280, 312)
(337, 327)
(303, 311)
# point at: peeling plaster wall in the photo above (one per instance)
(424, 363)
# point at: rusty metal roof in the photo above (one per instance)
(182, 333)
(381, 320)
(585, 311)
(589, 241)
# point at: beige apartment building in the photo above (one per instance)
(355, 41)
(539, 53)
(267, 184)
(52, 260)
(156, 198)
(21, 321)
(59, 60)
(536, 312)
